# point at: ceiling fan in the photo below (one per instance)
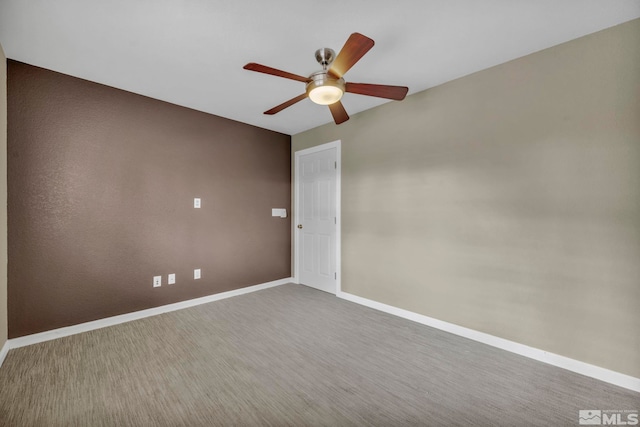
(326, 87)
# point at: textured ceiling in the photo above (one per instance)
(191, 52)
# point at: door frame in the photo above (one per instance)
(296, 191)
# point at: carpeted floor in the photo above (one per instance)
(287, 356)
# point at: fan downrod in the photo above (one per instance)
(325, 57)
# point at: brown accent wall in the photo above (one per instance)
(100, 193)
(3, 198)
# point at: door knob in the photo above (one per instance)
(299, 225)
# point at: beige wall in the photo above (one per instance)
(507, 201)
(3, 198)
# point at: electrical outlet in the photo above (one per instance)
(157, 281)
(196, 203)
(171, 279)
(196, 273)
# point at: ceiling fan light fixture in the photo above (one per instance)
(325, 90)
(325, 95)
(326, 87)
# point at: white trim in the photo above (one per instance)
(3, 352)
(116, 320)
(602, 374)
(296, 261)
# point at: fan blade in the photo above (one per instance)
(338, 112)
(252, 66)
(381, 91)
(286, 104)
(354, 49)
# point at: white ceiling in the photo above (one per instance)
(191, 52)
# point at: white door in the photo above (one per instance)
(317, 219)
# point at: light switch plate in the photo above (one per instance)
(196, 273)
(282, 213)
(171, 279)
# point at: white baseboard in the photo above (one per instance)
(3, 352)
(115, 320)
(602, 374)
